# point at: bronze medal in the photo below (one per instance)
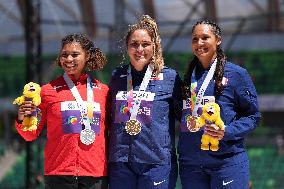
(191, 124)
(133, 127)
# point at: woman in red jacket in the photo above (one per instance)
(73, 108)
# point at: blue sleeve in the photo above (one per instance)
(177, 97)
(111, 96)
(246, 106)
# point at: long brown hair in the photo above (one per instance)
(221, 60)
(149, 24)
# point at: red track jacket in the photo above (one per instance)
(64, 153)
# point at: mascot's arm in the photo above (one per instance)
(220, 123)
(37, 100)
(200, 122)
(20, 100)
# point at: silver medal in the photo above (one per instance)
(87, 136)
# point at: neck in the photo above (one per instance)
(139, 68)
(207, 61)
(75, 77)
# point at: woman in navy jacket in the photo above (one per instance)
(211, 78)
(146, 98)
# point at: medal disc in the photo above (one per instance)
(191, 124)
(87, 136)
(133, 127)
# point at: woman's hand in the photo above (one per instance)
(210, 129)
(25, 109)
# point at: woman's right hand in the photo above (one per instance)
(25, 109)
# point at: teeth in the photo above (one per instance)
(203, 50)
(70, 65)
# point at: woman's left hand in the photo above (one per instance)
(211, 130)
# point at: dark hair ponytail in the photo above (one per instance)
(187, 76)
(219, 72)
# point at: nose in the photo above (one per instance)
(140, 48)
(69, 57)
(199, 41)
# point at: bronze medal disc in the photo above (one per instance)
(191, 124)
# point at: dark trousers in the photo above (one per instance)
(126, 175)
(75, 182)
(227, 177)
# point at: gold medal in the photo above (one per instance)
(133, 127)
(191, 123)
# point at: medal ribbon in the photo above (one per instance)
(86, 110)
(134, 106)
(193, 88)
(200, 94)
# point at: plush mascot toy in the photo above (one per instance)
(31, 92)
(210, 115)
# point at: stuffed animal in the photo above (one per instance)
(210, 115)
(31, 92)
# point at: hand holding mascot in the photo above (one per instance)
(31, 92)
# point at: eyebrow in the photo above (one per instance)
(134, 40)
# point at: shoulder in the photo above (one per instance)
(119, 70)
(98, 84)
(235, 70)
(169, 72)
(54, 84)
(238, 76)
(51, 87)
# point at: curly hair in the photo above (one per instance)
(149, 24)
(95, 58)
(221, 60)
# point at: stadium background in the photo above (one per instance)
(31, 30)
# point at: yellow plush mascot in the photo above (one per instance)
(31, 92)
(210, 115)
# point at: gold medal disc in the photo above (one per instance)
(133, 127)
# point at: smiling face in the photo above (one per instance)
(73, 59)
(211, 111)
(140, 49)
(31, 90)
(204, 44)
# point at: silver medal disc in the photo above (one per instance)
(133, 127)
(87, 136)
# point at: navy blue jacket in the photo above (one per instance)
(155, 144)
(239, 111)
